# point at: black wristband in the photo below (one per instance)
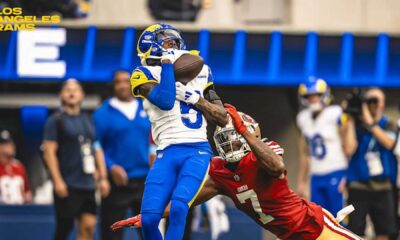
(211, 95)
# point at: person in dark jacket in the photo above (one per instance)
(75, 162)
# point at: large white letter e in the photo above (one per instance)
(38, 51)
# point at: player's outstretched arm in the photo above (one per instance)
(271, 162)
(213, 111)
(163, 94)
(211, 105)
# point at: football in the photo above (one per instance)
(187, 67)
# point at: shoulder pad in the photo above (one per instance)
(140, 76)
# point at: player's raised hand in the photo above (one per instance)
(171, 55)
(135, 221)
(186, 94)
(236, 119)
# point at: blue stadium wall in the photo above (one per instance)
(239, 58)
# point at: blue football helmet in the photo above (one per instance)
(314, 86)
(150, 43)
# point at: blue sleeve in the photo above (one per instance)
(50, 129)
(101, 136)
(163, 95)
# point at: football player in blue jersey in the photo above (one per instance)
(178, 116)
(323, 151)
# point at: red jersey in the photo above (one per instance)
(267, 200)
(13, 183)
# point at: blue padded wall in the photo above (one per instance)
(236, 58)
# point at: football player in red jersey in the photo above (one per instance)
(252, 173)
(14, 186)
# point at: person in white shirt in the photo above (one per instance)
(322, 150)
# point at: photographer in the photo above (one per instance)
(396, 178)
(370, 168)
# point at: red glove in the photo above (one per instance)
(236, 118)
(135, 221)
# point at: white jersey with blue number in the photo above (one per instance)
(183, 123)
(323, 139)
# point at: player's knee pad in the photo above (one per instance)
(153, 204)
(150, 220)
(178, 212)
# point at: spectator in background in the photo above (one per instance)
(14, 187)
(123, 129)
(321, 145)
(369, 172)
(72, 156)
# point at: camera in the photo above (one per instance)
(355, 99)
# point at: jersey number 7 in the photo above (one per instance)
(252, 195)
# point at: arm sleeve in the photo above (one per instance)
(163, 95)
(101, 136)
(50, 129)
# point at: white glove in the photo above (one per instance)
(185, 94)
(172, 55)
